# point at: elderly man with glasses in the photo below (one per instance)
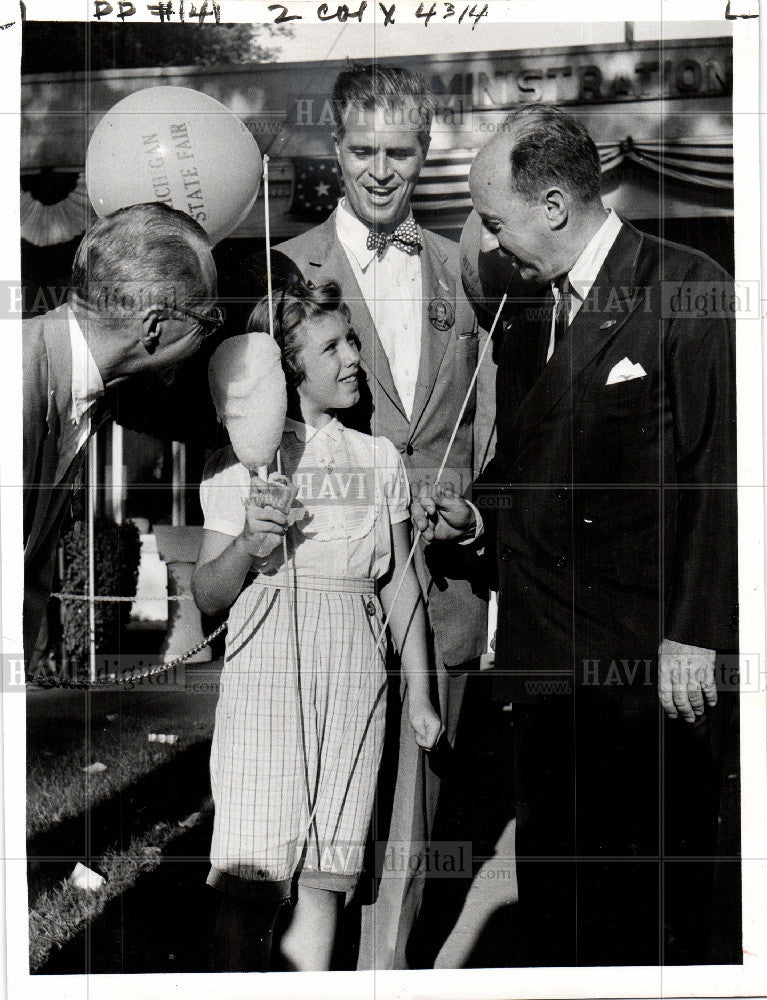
(141, 302)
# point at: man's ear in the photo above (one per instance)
(153, 323)
(556, 207)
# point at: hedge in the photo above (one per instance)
(117, 549)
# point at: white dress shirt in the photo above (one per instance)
(391, 287)
(87, 388)
(584, 271)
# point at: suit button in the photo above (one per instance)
(506, 554)
(370, 608)
(409, 449)
(561, 562)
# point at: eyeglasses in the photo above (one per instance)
(209, 321)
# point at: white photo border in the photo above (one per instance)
(750, 979)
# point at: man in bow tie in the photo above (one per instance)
(419, 348)
(610, 515)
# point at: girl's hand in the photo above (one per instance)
(266, 519)
(426, 724)
(280, 491)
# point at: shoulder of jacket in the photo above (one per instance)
(32, 331)
(677, 259)
(33, 352)
(447, 247)
(314, 239)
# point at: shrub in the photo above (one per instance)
(117, 550)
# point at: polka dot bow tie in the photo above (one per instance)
(405, 236)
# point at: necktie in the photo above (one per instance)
(561, 308)
(405, 236)
(554, 321)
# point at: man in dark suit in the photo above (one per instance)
(419, 348)
(142, 300)
(610, 514)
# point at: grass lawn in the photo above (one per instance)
(58, 787)
(59, 914)
(116, 821)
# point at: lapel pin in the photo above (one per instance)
(441, 314)
(607, 324)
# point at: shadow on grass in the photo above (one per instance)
(164, 923)
(171, 791)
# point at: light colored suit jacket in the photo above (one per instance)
(450, 343)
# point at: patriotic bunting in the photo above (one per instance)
(444, 180)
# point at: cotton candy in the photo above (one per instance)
(247, 384)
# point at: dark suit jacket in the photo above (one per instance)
(614, 506)
(47, 374)
(456, 598)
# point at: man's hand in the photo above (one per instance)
(443, 518)
(685, 679)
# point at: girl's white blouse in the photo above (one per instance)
(351, 488)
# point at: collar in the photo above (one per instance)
(87, 384)
(305, 432)
(584, 271)
(353, 235)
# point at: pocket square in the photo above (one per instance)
(625, 371)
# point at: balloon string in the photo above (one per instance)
(418, 533)
(287, 560)
(443, 464)
(269, 294)
(268, 228)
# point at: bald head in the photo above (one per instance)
(535, 186)
(539, 147)
(136, 275)
(142, 251)
(492, 166)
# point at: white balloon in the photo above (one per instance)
(178, 146)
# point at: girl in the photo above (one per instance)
(296, 750)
